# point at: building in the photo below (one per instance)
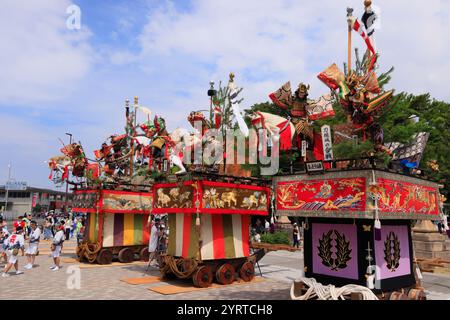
(23, 199)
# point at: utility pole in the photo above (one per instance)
(7, 188)
(67, 183)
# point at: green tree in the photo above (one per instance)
(433, 117)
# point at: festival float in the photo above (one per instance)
(149, 171)
(209, 223)
(357, 212)
(108, 189)
(209, 208)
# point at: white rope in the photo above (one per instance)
(330, 292)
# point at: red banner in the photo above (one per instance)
(322, 195)
(34, 200)
(404, 197)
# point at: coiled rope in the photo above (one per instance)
(174, 265)
(330, 292)
(88, 251)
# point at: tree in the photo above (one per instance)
(433, 117)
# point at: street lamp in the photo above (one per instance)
(67, 184)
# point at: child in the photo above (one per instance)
(4, 234)
(14, 242)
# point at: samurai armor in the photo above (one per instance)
(283, 96)
(379, 101)
(322, 108)
(93, 170)
(343, 90)
(372, 85)
(158, 142)
(332, 76)
(302, 127)
(72, 150)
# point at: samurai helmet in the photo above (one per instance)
(303, 88)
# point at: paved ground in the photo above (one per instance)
(279, 270)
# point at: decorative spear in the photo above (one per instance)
(349, 21)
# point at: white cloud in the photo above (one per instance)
(268, 42)
(40, 59)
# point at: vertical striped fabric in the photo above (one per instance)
(223, 236)
(183, 237)
(92, 227)
(125, 230)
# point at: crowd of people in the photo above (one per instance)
(55, 228)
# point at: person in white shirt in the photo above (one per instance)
(153, 243)
(56, 247)
(4, 234)
(14, 242)
(31, 252)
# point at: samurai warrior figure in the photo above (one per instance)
(296, 107)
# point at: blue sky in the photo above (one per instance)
(56, 80)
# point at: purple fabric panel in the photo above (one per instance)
(350, 271)
(404, 267)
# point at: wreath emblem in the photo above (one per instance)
(392, 251)
(341, 253)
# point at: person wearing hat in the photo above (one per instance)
(296, 235)
(32, 250)
(56, 246)
(14, 242)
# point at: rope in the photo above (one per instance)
(173, 265)
(89, 251)
(330, 292)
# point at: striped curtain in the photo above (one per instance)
(125, 229)
(224, 236)
(92, 227)
(183, 235)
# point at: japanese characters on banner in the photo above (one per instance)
(322, 195)
(327, 144)
(304, 146)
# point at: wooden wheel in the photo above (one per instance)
(225, 274)
(416, 294)
(398, 296)
(104, 256)
(126, 255)
(203, 277)
(247, 271)
(144, 254)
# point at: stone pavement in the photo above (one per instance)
(279, 270)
